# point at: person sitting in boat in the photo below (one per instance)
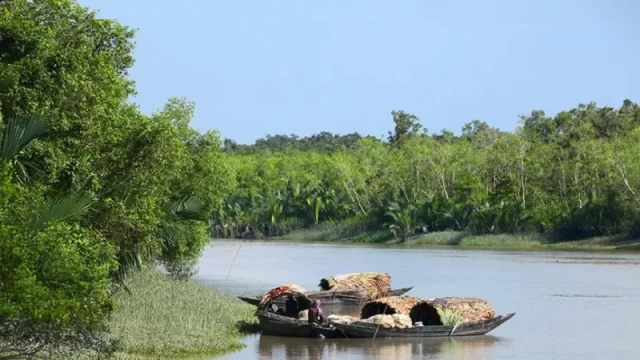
(274, 309)
(315, 312)
(291, 308)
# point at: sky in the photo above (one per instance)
(301, 67)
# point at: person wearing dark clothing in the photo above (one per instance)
(315, 312)
(273, 308)
(291, 308)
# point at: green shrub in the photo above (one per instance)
(184, 241)
(59, 275)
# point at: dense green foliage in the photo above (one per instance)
(92, 187)
(573, 175)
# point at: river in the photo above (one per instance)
(569, 305)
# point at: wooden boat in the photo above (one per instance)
(279, 325)
(328, 298)
(370, 330)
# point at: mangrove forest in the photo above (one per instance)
(572, 175)
(93, 190)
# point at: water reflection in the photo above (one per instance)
(271, 347)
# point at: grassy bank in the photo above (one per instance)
(347, 234)
(163, 317)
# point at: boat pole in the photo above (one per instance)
(230, 267)
(380, 322)
(224, 285)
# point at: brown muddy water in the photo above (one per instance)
(569, 305)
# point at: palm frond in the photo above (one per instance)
(449, 317)
(191, 205)
(167, 233)
(65, 208)
(21, 173)
(19, 131)
(184, 208)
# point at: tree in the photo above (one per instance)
(571, 175)
(55, 273)
(406, 126)
(56, 56)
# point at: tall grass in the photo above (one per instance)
(163, 317)
(524, 241)
(351, 234)
(338, 232)
(458, 238)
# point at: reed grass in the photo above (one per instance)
(168, 318)
(533, 241)
(525, 241)
(338, 233)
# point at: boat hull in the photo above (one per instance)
(278, 325)
(370, 330)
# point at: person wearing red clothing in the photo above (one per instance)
(315, 312)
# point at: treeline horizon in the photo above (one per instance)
(320, 140)
(572, 175)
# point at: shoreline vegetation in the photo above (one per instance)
(466, 240)
(157, 316)
(163, 317)
(92, 190)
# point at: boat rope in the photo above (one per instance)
(227, 278)
(230, 267)
(380, 322)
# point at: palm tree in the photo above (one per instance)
(17, 133)
(404, 218)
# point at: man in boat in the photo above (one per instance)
(291, 308)
(315, 312)
(274, 309)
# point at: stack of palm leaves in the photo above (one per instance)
(389, 305)
(294, 290)
(448, 311)
(471, 309)
(372, 285)
(449, 317)
(452, 311)
(342, 294)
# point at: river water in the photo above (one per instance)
(569, 305)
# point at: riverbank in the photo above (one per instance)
(167, 318)
(340, 234)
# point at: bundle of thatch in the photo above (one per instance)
(344, 294)
(389, 305)
(296, 291)
(466, 309)
(373, 285)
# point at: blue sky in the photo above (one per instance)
(281, 67)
